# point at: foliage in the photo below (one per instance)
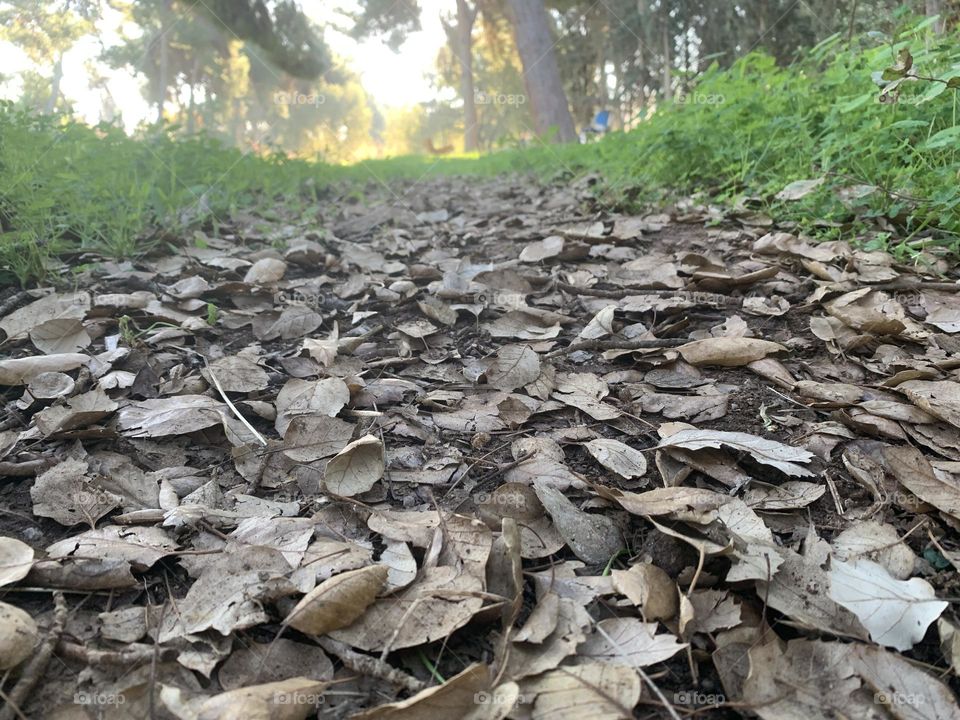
(742, 134)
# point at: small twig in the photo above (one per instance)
(233, 408)
(15, 301)
(506, 466)
(618, 294)
(667, 705)
(132, 655)
(370, 666)
(618, 345)
(37, 666)
(391, 362)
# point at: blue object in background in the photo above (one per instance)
(601, 123)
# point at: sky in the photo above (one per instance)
(392, 79)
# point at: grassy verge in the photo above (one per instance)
(743, 133)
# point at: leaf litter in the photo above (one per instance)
(485, 459)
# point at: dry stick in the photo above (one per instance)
(370, 666)
(628, 292)
(482, 458)
(23, 469)
(619, 345)
(646, 678)
(133, 654)
(38, 665)
(233, 408)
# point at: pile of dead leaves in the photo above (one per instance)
(484, 457)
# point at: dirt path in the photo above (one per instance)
(488, 436)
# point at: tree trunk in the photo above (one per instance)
(541, 75)
(461, 41)
(192, 108)
(666, 81)
(163, 77)
(935, 7)
(55, 85)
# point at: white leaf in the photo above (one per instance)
(764, 451)
(618, 457)
(629, 641)
(897, 613)
(356, 468)
(16, 559)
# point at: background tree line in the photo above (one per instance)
(258, 74)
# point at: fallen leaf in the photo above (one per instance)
(16, 559)
(594, 538)
(764, 451)
(630, 642)
(896, 612)
(514, 367)
(650, 589)
(18, 636)
(618, 457)
(292, 699)
(455, 698)
(337, 602)
(727, 351)
(356, 468)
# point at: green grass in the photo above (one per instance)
(743, 133)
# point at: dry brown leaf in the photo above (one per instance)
(305, 397)
(650, 589)
(291, 699)
(16, 559)
(547, 248)
(666, 501)
(594, 538)
(913, 471)
(618, 457)
(514, 367)
(275, 661)
(897, 613)
(312, 437)
(337, 602)
(597, 691)
(20, 371)
(265, 272)
(763, 450)
(237, 373)
(585, 391)
(18, 636)
(67, 494)
(458, 697)
(630, 642)
(170, 416)
(356, 468)
(939, 398)
(728, 351)
(62, 335)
